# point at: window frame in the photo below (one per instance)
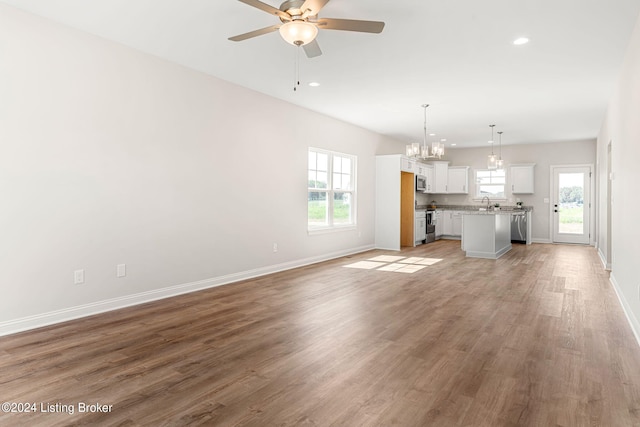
(330, 191)
(478, 196)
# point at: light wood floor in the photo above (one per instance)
(536, 338)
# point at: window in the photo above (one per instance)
(331, 190)
(490, 183)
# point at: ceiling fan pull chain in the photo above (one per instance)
(296, 69)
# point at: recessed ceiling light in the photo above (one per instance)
(521, 40)
(314, 84)
(453, 145)
(443, 140)
(432, 134)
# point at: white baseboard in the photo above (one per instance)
(71, 313)
(533, 240)
(605, 264)
(631, 318)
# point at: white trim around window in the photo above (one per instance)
(491, 184)
(331, 191)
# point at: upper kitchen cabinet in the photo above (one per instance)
(458, 180)
(428, 173)
(440, 177)
(407, 164)
(522, 178)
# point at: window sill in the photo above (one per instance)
(333, 229)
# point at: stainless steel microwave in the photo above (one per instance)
(421, 183)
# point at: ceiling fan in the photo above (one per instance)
(300, 23)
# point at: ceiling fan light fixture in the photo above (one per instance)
(298, 32)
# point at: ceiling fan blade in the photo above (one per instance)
(312, 7)
(312, 49)
(350, 25)
(269, 9)
(254, 33)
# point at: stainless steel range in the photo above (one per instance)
(431, 227)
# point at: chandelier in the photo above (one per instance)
(424, 152)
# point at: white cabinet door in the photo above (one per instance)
(456, 223)
(446, 223)
(458, 180)
(428, 172)
(440, 177)
(522, 179)
(420, 229)
(408, 165)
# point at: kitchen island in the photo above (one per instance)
(486, 234)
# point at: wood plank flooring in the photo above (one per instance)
(536, 338)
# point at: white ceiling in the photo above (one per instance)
(456, 55)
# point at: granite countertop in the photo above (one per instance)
(498, 212)
(475, 208)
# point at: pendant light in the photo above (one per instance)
(414, 149)
(492, 161)
(500, 162)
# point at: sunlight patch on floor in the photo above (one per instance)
(366, 265)
(398, 264)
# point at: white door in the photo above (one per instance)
(571, 204)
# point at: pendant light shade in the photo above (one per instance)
(492, 161)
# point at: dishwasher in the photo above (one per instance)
(519, 227)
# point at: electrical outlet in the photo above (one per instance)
(121, 270)
(275, 247)
(78, 277)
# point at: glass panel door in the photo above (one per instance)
(571, 204)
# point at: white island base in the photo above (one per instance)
(486, 234)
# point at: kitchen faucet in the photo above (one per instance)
(488, 201)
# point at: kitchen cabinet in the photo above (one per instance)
(522, 178)
(428, 173)
(407, 164)
(451, 224)
(420, 227)
(446, 223)
(456, 224)
(394, 202)
(458, 180)
(447, 179)
(440, 176)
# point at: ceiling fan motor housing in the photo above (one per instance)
(292, 7)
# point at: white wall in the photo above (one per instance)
(543, 155)
(621, 128)
(112, 156)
